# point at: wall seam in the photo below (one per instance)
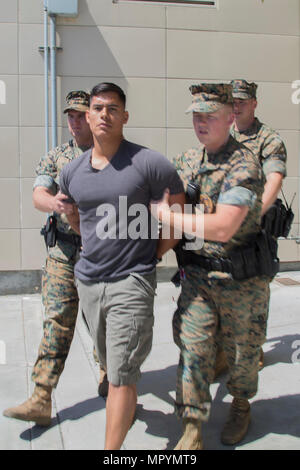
(162, 28)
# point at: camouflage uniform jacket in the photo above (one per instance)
(48, 171)
(266, 144)
(231, 176)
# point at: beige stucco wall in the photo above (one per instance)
(154, 52)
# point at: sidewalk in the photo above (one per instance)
(78, 417)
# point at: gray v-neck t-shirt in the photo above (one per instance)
(119, 235)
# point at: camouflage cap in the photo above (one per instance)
(77, 100)
(243, 90)
(209, 97)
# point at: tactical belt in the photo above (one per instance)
(209, 264)
(258, 257)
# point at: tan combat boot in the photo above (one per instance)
(192, 436)
(237, 424)
(37, 408)
(221, 363)
(103, 383)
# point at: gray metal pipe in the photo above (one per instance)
(46, 72)
(53, 79)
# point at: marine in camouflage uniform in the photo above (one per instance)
(212, 300)
(267, 145)
(263, 141)
(59, 293)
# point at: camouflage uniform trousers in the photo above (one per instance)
(239, 309)
(60, 299)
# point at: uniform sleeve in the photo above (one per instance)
(242, 184)
(238, 196)
(46, 172)
(274, 155)
(163, 175)
(177, 163)
(184, 165)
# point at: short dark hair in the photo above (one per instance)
(106, 87)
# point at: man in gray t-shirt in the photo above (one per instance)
(111, 186)
(115, 222)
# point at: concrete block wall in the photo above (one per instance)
(154, 52)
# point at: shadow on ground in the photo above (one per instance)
(282, 350)
(276, 415)
(72, 413)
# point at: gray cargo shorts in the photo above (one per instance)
(119, 318)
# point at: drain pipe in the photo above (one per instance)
(52, 8)
(46, 72)
(53, 79)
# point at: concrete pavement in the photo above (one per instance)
(78, 418)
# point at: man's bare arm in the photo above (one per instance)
(74, 220)
(219, 226)
(165, 245)
(45, 201)
(271, 190)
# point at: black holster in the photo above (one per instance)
(49, 231)
(258, 258)
(52, 235)
(278, 220)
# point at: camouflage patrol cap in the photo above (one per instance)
(209, 97)
(77, 100)
(243, 90)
